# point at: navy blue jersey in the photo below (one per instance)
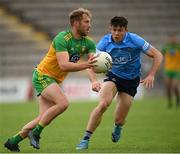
(125, 54)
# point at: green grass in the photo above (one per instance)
(150, 127)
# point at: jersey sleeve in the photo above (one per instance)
(140, 43)
(101, 45)
(92, 46)
(59, 43)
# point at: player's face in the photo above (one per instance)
(84, 25)
(118, 33)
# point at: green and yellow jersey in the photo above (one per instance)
(64, 41)
(172, 57)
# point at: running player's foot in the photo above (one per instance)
(82, 145)
(34, 140)
(116, 134)
(11, 147)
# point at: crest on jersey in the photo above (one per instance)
(74, 57)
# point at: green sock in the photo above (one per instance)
(38, 129)
(16, 139)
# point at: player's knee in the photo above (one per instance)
(103, 106)
(63, 106)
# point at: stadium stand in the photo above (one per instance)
(26, 34)
(21, 47)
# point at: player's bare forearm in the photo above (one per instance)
(157, 59)
(92, 75)
(67, 66)
(96, 86)
(73, 67)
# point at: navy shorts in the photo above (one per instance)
(124, 85)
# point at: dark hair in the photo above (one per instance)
(119, 21)
(76, 15)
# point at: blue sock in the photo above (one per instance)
(87, 135)
(117, 127)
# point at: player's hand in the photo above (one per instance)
(96, 86)
(148, 82)
(91, 61)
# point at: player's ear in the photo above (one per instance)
(76, 23)
(126, 29)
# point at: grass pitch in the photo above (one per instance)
(150, 127)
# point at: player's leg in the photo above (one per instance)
(127, 89)
(53, 94)
(12, 143)
(176, 91)
(168, 84)
(124, 102)
(177, 96)
(107, 93)
(35, 126)
(44, 105)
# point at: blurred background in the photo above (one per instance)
(27, 28)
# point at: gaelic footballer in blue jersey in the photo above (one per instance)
(127, 53)
(123, 79)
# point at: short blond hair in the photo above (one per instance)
(76, 15)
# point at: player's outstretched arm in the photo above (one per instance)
(157, 59)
